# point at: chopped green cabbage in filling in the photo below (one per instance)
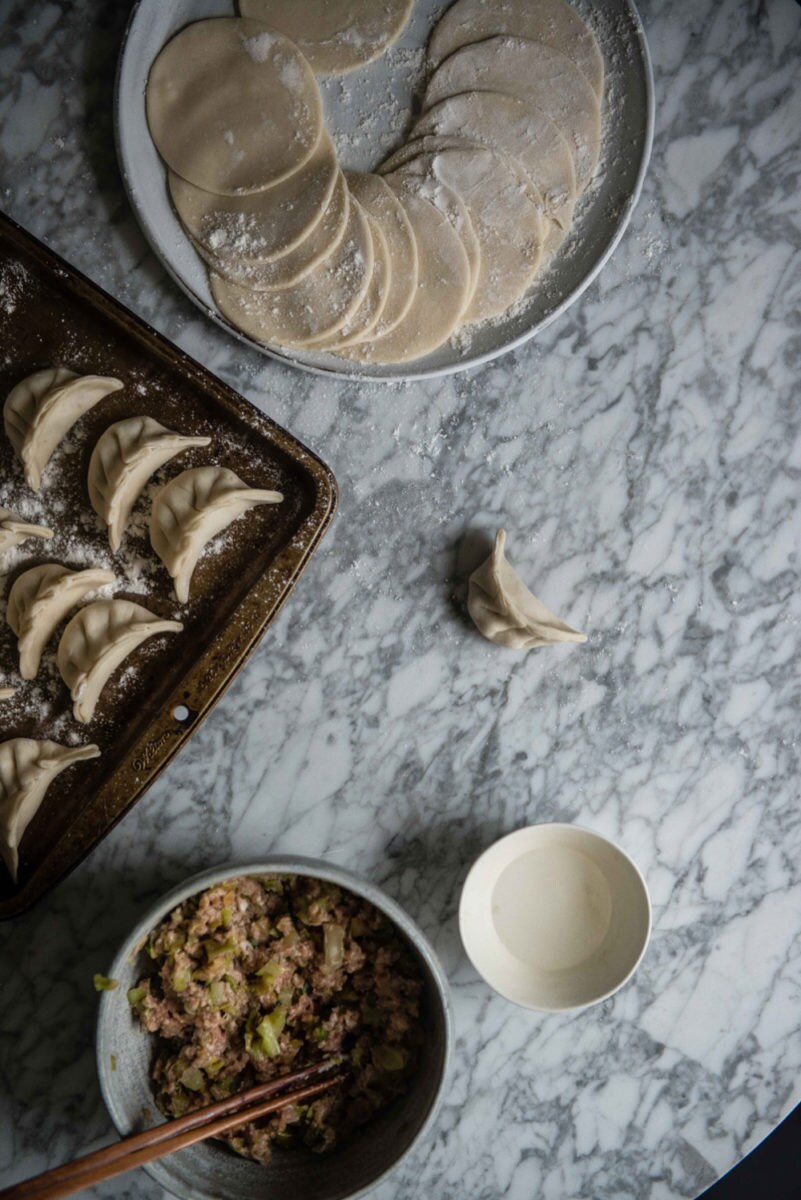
(104, 984)
(260, 976)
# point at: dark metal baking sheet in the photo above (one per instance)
(52, 315)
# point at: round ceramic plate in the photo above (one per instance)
(368, 114)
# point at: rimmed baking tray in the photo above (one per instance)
(50, 314)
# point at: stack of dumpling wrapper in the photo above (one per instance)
(454, 228)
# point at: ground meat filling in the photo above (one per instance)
(258, 976)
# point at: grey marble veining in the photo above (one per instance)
(645, 457)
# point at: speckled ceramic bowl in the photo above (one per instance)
(210, 1171)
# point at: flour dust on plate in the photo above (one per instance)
(362, 114)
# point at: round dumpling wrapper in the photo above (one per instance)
(543, 78)
(365, 319)
(380, 202)
(506, 221)
(336, 36)
(260, 226)
(285, 272)
(553, 22)
(503, 123)
(232, 106)
(443, 288)
(316, 307)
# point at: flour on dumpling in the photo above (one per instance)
(96, 641)
(40, 600)
(13, 530)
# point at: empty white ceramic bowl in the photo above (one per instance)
(555, 917)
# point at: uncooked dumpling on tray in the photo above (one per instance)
(124, 458)
(506, 612)
(192, 509)
(336, 36)
(38, 602)
(27, 768)
(13, 530)
(42, 409)
(96, 641)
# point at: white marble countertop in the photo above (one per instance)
(645, 456)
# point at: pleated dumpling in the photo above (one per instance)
(506, 612)
(14, 530)
(123, 460)
(40, 600)
(192, 509)
(27, 768)
(97, 639)
(41, 409)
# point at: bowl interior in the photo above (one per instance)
(211, 1170)
(555, 917)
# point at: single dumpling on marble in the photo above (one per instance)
(506, 612)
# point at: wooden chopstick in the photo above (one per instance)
(174, 1135)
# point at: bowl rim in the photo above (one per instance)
(569, 827)
(275, 864)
